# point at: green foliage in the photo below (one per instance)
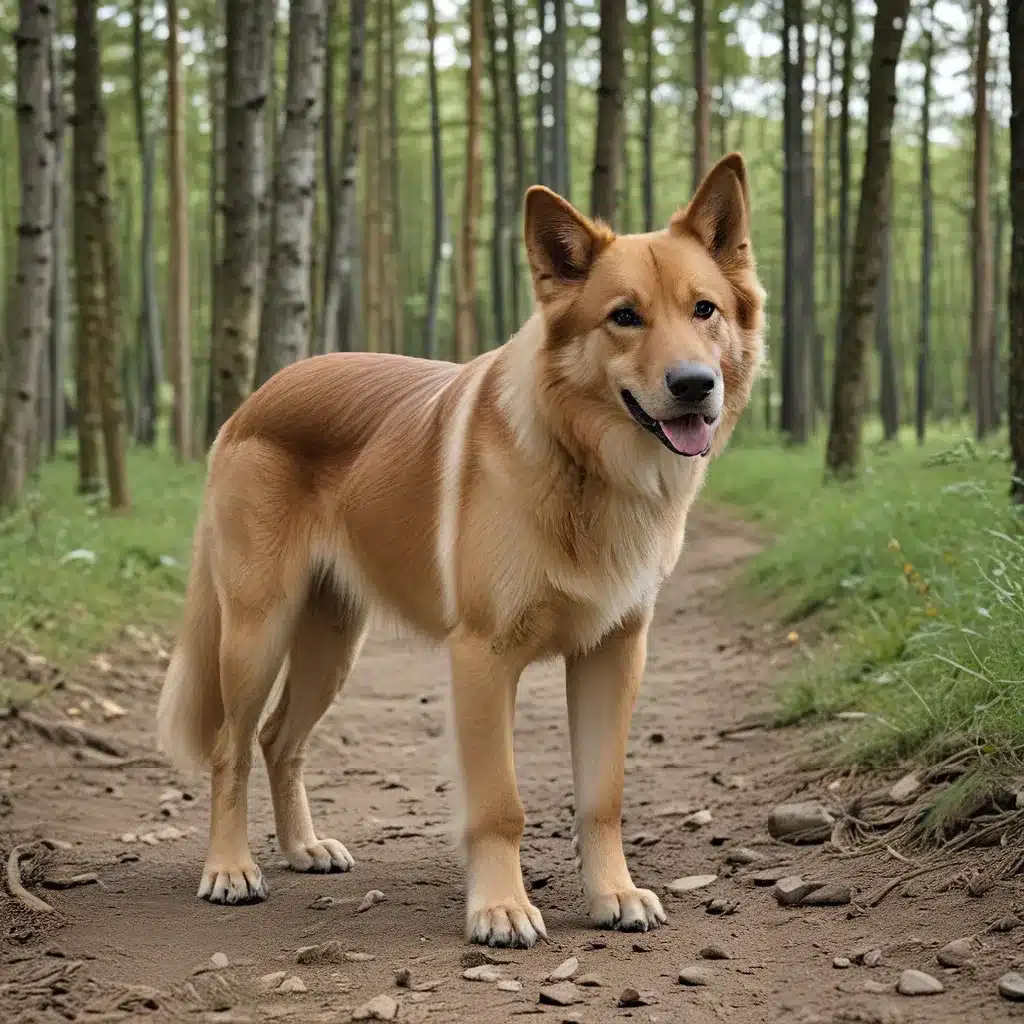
(74, 575)
(915, 573)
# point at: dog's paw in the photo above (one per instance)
(321, 857)
(511, 924)
(630, 910)
(233, 883)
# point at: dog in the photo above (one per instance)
(524, 505)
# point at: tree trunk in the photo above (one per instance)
(796, 339)
(151, 350)
(845, 92)
(338, 295)
(702, 88)
(981, 237)
(499, 212)
(1015, 25)
(29, 309)
(889, 392)
(562, 168)
(465, 325)
(543, 130)
(437, 189)
(180, 346)
(607, 143)
(519, 155)
(58, 340)
(924, 328)
(247, 81)
(826, 163)
(393, 281)
(649, 119)
(215, 86)
(858, 309)
(376, 325)
(284, 326)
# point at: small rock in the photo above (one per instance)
(272, 980)
(218, 961)
(359, 958)
(917, 983)
(331, 952)
(292, 984)
(904, 789)
(743, 855)
(789, 891)
(565, 993)
(403, 977)
(956, 953)
(840, 963)
(872, 958)
(170, 832)
(129, 837)
(763, 879)
(694, 975)
(1006, 924)
(721, 906)
(323, 903)
(590, 981)
(1011, 986)
(371, 899)
(827, 896)
(690, 883)
(877, 988)
(631, 997)
(595, 944)
(510, 986)
(149, 839)
(698, 819)
(806, 822)
(565, 970)
(485, 972)
(378, 1008)
(714, 952)
(639, 947)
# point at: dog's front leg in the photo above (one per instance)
(601, 687)
(484, 685)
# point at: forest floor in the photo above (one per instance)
(138, 944)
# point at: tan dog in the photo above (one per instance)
(522, 506)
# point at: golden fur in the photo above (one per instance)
(512, 508)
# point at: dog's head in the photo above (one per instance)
(659, 334)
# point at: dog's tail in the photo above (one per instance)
(191, 709)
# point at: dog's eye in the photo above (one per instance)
(626, 316)
(703, 309)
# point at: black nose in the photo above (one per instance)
(690, 382)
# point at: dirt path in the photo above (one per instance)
(377, 781)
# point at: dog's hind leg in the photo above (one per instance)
(253, 643)
(325, 644)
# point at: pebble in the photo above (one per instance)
(713, 952)
(272, 980)
(403, 977)
(565, 993)
(322, 903)
(827, 896)
(292, 984)
(721, 906)
(690, 883)
(129, 837)
(565, 970)
(694, 975)
(510, 986)
(485, 972)
(631, 997)
(904, 789)
(378, 1008)
(1011, 986)
(331, 952)
(840, 963)
(763, 879)
(917, 983)
(877, 988)
(359, 958)
(872, 958)
(640, 947)
(743, 855)
(371, 899)
(956, 953)
(218, 961)
(789, 891)
(698, 819)
(1007, 924)
(806, 822)
(590, 981)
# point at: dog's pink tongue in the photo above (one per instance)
(689, 434)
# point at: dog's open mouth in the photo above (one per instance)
(688, 435)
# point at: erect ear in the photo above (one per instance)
(561, 244)
(718, 216)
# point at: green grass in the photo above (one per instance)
(63, 604)
(915, 575)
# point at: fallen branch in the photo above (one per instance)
(88, 878)
(17, 890)
(896, 882)
(68, 735)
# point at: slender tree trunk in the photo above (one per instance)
(1015, 409)
(826, 164)
(246, 89)
(562, 168)
(995, 378)
(499, 212)
(179, 310)
(215, 86)
(437, 189)
(924, 329)
(394, 278)
(981, 236)
(649, 117)
(889, 392)
(58, 340)
(544, 114)
(376, 323)
(466, 345)
(815, 339)
(519, 155)
(845, 93)
(284, 325)
(29, 310)
(151, 349)
(702, 88)
(607, 143)
(338, 295)
(330, 175)
(858, 311)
